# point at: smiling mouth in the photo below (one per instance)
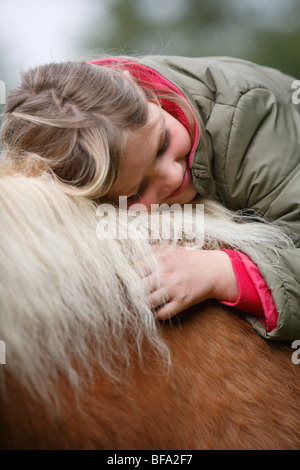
(185, 182)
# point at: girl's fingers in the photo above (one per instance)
(151, 283)
(167, 310)
(162, 306)
(157, 298)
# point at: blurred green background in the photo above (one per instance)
(264, 31)
(39, 31)
(36, 31)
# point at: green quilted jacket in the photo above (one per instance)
(252, 159)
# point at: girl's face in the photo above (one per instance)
(155, 169)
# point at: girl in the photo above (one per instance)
(164, 129)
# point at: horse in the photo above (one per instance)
(88, 366)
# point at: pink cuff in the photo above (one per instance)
(254, 295)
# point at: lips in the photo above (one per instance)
(185, 182)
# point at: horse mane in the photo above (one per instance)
(72, 302)
(64, 289)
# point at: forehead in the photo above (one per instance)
(142, 146)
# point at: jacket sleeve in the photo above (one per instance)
(251, 159)
(263, 173)
(254, 296)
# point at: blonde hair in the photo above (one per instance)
(73, 118)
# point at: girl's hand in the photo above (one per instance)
(190, 277)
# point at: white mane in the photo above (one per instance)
(65, 293)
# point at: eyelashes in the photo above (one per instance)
(134, 197)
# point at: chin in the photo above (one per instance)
(184, 198)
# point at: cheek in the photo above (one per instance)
(182, 139)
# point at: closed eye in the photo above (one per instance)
(133, 197)
(138, 194)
